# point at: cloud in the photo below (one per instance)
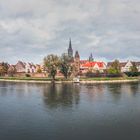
(32, 29)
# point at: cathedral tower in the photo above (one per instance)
(70, 50)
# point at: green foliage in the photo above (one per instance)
(65, 66)
(52, 63)
(112, 71)
(115, 68)
(27, 75)
(132, 74)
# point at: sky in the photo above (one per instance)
(32, 29)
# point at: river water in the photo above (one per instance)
(69, 111)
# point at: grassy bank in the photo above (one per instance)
(26, 78)
(109, 79)
(62, 79)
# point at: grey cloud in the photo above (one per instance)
(34, 28)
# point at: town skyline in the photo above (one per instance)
(31, 30)
(70, 44)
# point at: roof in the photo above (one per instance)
(137, 63)
(92, 64)
(122, 64)
(21, 63)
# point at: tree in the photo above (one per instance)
(133, 68)
(3, 68)
(52, 63)
(115, 68)
(39, 70)
(11, 71)
(65, 65)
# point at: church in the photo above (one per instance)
(83, 66)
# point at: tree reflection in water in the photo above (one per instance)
(127, 89)
(61, 95)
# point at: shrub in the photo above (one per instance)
(132, 74)
(27, 75)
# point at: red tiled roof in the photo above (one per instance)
(92, 64)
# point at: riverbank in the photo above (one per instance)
(60, 80)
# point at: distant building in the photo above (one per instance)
(20, 67)
(125, 66)
(83, 66)
(86, 66)
(77, 62)
(91, 58)
(30, 68)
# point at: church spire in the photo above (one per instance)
(70, 50)
(91, 58)
(70, 45)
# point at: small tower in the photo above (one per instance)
(91, 58)
(77, 62)
(70, 50)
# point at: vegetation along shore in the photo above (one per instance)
(62, 80)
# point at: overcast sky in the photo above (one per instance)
(32, 29)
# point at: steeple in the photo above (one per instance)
(70, 46)
(70, 50)
(91, 58)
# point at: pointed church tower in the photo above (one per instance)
(70, 50)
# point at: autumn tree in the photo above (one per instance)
(52, 63)
(3, 68)
(11, 71)
(133, 68)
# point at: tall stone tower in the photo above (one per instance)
(77, 62)
(70, 50)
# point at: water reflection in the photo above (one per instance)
(69, 111)
(65, 95)
(127, 89)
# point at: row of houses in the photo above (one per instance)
(94, 66)
(83, 66)
(22, 67)
(126, 66)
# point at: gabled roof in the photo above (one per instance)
(21, 63)
(92, 64)
(122, 64)
(137, 63)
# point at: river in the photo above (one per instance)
(69, 111)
